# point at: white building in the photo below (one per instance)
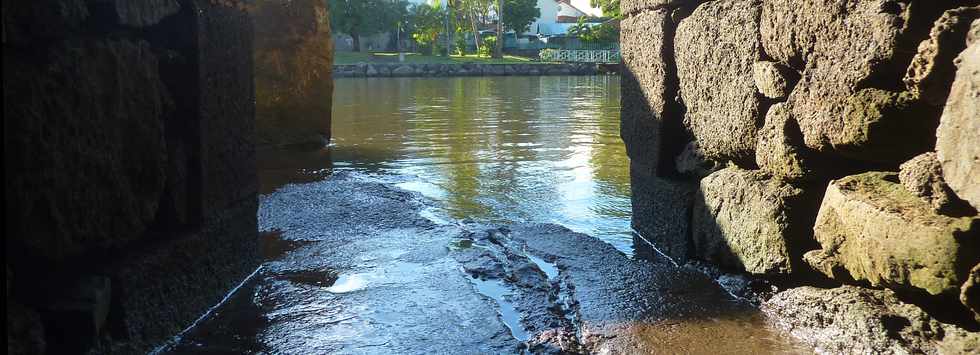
(557, 16)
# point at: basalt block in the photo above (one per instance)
(956, 139)
(841, 47)
(715, 49)
(872, 230)
(746, 221)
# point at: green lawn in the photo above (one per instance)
(416, 58)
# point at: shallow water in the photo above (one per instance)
(354, 265)
(491, 149)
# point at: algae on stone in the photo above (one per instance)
(878, 232)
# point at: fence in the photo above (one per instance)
(581, 55)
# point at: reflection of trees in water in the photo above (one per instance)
(497, 148)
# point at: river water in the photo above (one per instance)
(468, 216)
(495, 149)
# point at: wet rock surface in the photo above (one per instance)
(855, 320)
(368, 274)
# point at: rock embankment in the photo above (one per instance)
(470, 69)
(824, 141)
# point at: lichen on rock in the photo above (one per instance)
(715, 49)
(855, 320)
(870, 226)
(746, 221)
(923, 177)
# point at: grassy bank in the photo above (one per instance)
(416, 58)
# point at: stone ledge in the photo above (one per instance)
(444, 70)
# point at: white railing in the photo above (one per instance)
(580, 55)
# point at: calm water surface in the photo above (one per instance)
(495, 149)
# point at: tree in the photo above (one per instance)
(364, 17)
(498, 49)
(519, 14)
(475, 12)
(610, 8)
(425, 25)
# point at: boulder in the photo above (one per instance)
(855, 320)
(692, 162)
(715, 49)
(630, 7)
(293, 54)
(662, 211)
(744, 220)
(135, 13)
(774, 80)
(100, 155)
(931, 72)
(923, 177)
(885, 127)
(841, 47)
(780, 150)
(956, 138)
(872, 230)
(970, 292)
(650, 119)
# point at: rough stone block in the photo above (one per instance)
(24, 22)
(854, 320)
(227, 107)
(871, 229)
(293, 64)
(744, 220)
(135, 13)
(159, 291)
(715, 49)
(693, 163)
(629, 7)
(841, 47)
(931, 72)
(86, 124)
(956, 144)
(774, 80)
(923, 177)
(650, 119)
(970, 292)
(780, 150)
(662, 211)
(885, 127)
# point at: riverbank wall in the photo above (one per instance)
(362, 70)
(129, 165)
(822, 143)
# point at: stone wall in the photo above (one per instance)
(129, 169)
(470, 69)
(293, 63)
(828, 142)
